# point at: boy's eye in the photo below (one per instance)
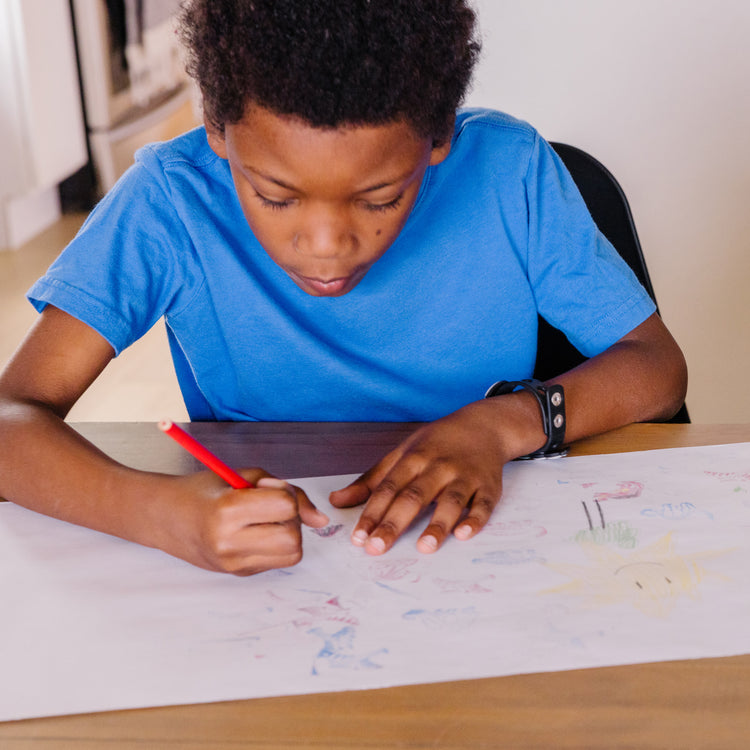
(384, 206)
(276, 205)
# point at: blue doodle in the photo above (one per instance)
(443, 619)
(392, 589)
(277, 573)
(509, 557)
(671, 512)
(338, 651)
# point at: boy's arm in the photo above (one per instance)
(48, 467)
(457, 461)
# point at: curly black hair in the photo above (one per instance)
(333, 62)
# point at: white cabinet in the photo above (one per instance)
(42, 132)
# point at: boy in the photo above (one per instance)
(337, 244)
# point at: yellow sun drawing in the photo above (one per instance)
(651, 578)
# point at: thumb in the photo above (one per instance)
(360, 489)
(354, 494)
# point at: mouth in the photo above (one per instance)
(324, 287)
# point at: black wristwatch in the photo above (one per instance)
(551, 400)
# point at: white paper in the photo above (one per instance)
(590, 561)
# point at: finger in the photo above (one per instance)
(374, 512)
(261, 547)
(361, 488)
(254, 474)
(449, 508)
(482, 505)
(309, 513)
(272, 501)
(355, 493)
(392, 508)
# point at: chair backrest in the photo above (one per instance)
(610, 210)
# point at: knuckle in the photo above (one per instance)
(388, 529)
(222, 550)
(229, 563)
(293, 558)
(483, 505)
(387, 487)
(454, 497)
(216, 541)
(412, 494)
(223, 512)
(445, 465)
(290, 540)
(287, 506)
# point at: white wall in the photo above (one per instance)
(659, 91)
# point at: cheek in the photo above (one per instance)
(388, 228)
(269, 227)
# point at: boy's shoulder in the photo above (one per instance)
(474, 120)
(490, 145)
(190, 150)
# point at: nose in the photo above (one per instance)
(325, 235)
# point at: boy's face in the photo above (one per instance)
(325, 204)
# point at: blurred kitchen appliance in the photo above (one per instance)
(134, 86)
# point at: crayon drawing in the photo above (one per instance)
(586, 562)
(339, 652)
(651, 579)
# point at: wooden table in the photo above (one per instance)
(695, 704)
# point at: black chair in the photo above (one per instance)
(610, 210)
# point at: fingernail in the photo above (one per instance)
(463, 532)
(272, 482)
(428, 543)
(376, 545)
(359, 537)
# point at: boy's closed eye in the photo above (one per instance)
(275, 205)
(369, 206)
(395, 203)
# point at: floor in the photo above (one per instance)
(139, 385)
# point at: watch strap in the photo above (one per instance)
(551, 400)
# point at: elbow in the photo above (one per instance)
(672, 390)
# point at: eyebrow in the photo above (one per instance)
(287, 186)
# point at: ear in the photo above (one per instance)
(215, 139)
(440, 151)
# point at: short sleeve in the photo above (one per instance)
(128, 265)
(581, 284)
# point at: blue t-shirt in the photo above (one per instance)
(498, 234)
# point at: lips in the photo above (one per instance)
(323, 287)
(332, 286)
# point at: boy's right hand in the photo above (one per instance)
(197, 518)
(243, 531)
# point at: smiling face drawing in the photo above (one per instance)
(652, 578)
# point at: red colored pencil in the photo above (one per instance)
(192, 446)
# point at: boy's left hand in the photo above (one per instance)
(455, 462)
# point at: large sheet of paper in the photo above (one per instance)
(587, 562)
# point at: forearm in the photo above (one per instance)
(641, 378)
(48, 467)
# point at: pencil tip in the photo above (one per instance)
(164, 425)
